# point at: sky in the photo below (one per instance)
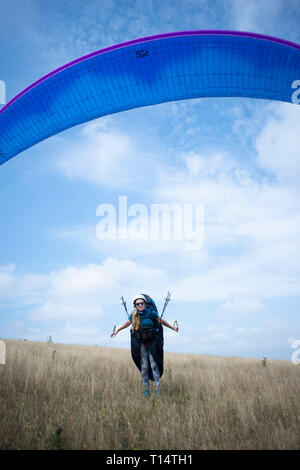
(237, 295)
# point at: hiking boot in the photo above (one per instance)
(146, 392)
(157, 391)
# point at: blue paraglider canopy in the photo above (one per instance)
(148, 71)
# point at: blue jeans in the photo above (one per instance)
(144, 366)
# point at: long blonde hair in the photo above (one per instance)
(136, 320)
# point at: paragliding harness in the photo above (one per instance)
(155, 346)
(147, 333)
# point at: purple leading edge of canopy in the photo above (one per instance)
(151, 38)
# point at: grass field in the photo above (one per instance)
(56, 396)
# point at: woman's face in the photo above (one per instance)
(140, 305)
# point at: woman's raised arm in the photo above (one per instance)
(163, 322)
(125, 325)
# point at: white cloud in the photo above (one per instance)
(82, 292)
(89, 334)
(241, 305)
(253, 14)
(278, 143)
(231, 338)
(234, 199)
(66, 309)
(6, 278)
(277, 18)
(108, 157)
(74, 313)
(145, 249)
(245, 212)
(248, 276)
(68, 333)
(99, 156)
(213, 165)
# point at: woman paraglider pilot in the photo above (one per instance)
(147, 340)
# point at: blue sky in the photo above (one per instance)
(239, 294)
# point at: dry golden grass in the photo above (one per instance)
(82, 397)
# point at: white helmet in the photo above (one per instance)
(138, 296)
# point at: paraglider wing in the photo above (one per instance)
(148, 71)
